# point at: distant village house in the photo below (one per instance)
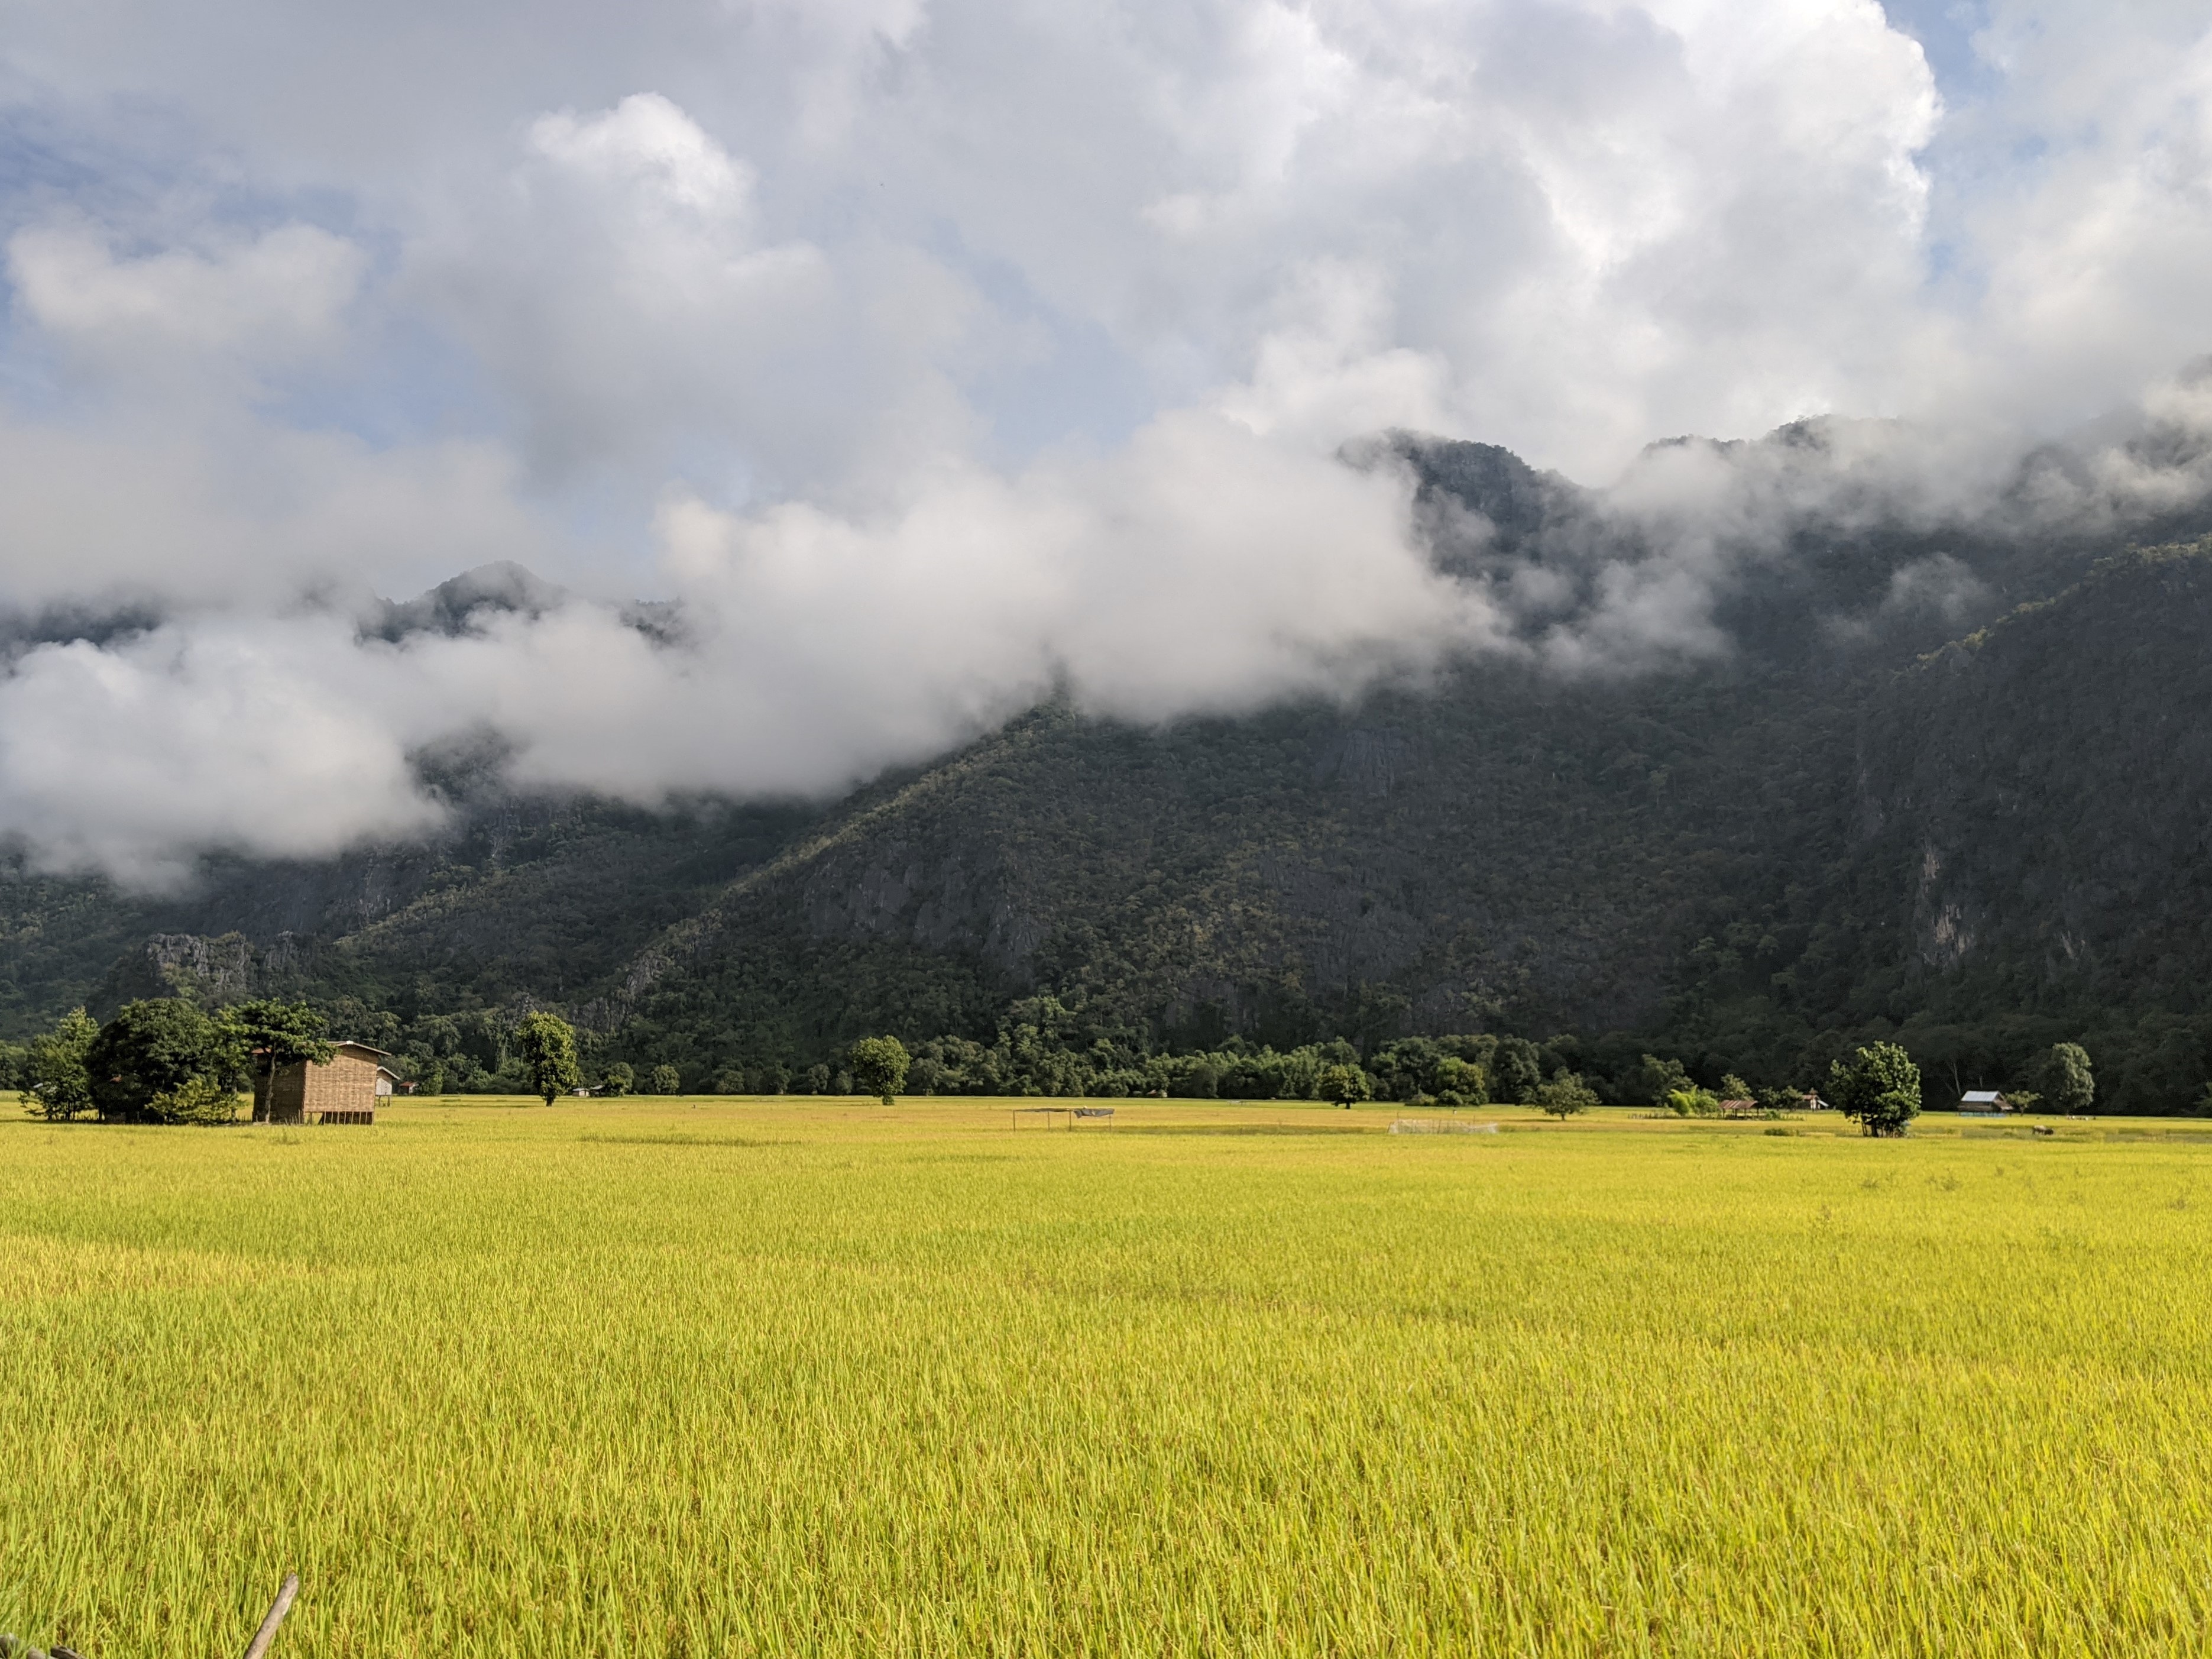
(1986, 1102)
(344, 1088)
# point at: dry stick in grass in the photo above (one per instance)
(260, 1645)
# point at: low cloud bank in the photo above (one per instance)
(913, 359)
(1201, 569)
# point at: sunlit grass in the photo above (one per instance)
(730, 1377)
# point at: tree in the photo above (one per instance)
(617, 1079)
(144, 1060)
(1460, 1082)
(546, 1045)
(2069, 1085)
(667, 1080)
(1734, 1088)
(878, 1066)
(268, 1033)
(1515, 1070)
(1880, 1086)
(1654, 1079)
(55, 1085)
(1566, 1094)
(1342, 1084)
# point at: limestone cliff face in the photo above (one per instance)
(2049, 781)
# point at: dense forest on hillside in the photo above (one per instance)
(1975, 824)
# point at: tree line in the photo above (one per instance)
(170, 1060)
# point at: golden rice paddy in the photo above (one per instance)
(727, 1377)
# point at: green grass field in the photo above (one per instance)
(729, 1377)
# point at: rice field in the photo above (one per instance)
(764, 1377)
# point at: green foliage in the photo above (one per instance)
(667, 1080)
(202, 1099)
(1452, 1070)
(546, 1045)
(880, 1065)
(619, 1079)
(1657, 1080)
(1462, 1082)
(55, 1085)
(1734, 1088)
(1517, 1071)
(1879, 1085)
(280, 1033)
(269, 1034)
(163, 1049)
(1693, 1102)
(1341, 1085)
(2067, 1085)
(1566, 1094)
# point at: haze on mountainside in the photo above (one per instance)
(913, 361)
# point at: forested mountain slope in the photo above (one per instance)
(1839, 827)
(528, 898)
(1996, 847)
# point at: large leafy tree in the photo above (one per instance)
(271, 1033)
(56, 1084)
(163, 1060)
(1515, 1070)
(879, 1067)
(1341, 1085)
(1462, 1082)
(546, 1044)
(1566, 1094)
(2069, 1085)
(1879, 1085)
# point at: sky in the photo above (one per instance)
(933, 355)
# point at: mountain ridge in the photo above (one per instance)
(1716, 858)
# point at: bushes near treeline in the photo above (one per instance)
(163, 1060)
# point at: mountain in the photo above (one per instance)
(1998, 846)
(1946, 784)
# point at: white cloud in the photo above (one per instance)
(619, 289)
(269, 300)
(132, 759)
(937, 351)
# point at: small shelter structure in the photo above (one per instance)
(1984, 1103)
(344, 1088)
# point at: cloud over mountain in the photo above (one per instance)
(925, 355)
